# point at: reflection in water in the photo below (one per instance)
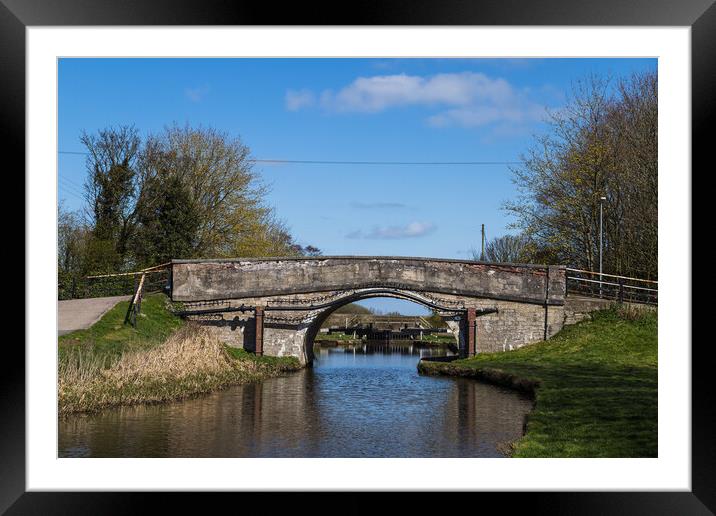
(357, 401)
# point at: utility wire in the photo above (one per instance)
(72, 182)
(322, 162)
(338, 162)
(65, 190)
(71, 194)
(69, 188)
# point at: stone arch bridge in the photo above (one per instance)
(275, 306)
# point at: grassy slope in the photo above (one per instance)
(103, 365)
(110, 336)
(597, 393)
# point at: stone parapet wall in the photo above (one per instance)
(204, 280)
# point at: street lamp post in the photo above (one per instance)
(601, 238)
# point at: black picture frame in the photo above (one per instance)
(700, 15)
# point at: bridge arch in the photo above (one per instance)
(352, 296)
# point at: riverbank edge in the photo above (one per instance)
(489, 375)
(492, 376)
(85, 357)
(544, 372)
(163, 391)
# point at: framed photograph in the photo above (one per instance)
(413, 249)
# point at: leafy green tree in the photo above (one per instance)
(353, 308)
(435, 320)
(227, 195)
(185, 192)
(167, 222)
(110, 191)
(224, 189)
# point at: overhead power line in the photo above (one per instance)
(64, 191)
(69, 187)
(323, 162)
(342, 162)
(72, 182)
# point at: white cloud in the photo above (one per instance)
(378, 93)
(376, 205)
(197, 94)
(520, 112)
(466, 99)
(298, 99)
(412, 230)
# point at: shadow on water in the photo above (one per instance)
(363, 400)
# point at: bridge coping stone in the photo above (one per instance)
(350, 257)
(207, 279)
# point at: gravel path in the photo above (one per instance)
(78, 314)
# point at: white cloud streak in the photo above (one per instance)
(376, 205)
(467, 99)
(412, 230)
(475, 116)
(375, 94)
(299, 99)
(197, 94)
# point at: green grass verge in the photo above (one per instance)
(111, 337)
(438, 338)
(335, 337)
(277, 363)
(595, 386)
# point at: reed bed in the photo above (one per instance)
(191, 361)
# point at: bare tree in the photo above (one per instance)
(505, 249)
(602, 144)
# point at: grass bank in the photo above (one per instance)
(595, 387)
(164, 359)
(438, 338)
(335, 337)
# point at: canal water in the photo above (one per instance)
(363, 400)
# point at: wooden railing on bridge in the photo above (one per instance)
(111, 284)
(135, 305)
(623, 289)
(146, 281)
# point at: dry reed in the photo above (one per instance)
(189, 362)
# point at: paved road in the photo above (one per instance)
(78, 314)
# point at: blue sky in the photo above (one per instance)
(416, 110)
